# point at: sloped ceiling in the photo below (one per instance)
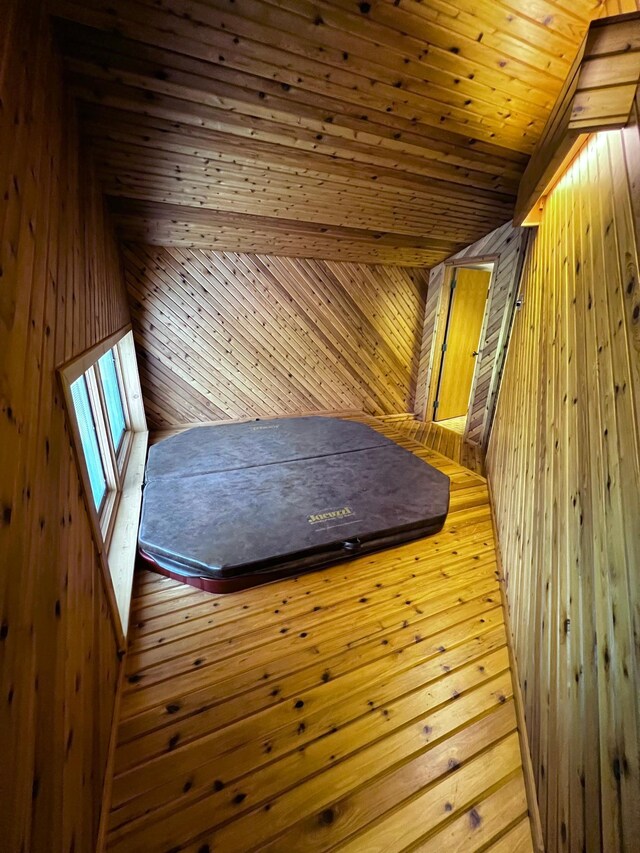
(390, 131)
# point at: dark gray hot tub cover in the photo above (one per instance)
(245, 498)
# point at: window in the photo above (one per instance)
(89, 440)
(109, 432)
(101, 414)
(113, 398)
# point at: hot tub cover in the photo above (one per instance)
(265, 499)
(210, 449)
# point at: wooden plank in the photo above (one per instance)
(375, 124)
(565, 475)
(360, 807)
(481, 823)
(461, 788)
(62, 291)
(598, 95)
(517, 840)
(287, 336)
(356, 692)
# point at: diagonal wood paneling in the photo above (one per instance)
(61, 291)
(222, 335)
(564, 467)
(397, 129)
(368, 707)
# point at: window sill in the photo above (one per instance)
(124, 540)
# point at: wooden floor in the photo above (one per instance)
(448, 442)
(455, 424)
(366, 707)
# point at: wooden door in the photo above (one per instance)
(469, 297)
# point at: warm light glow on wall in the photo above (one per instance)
(588, 145)
(591, 149)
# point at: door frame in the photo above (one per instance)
(446, 329)
(442, 315)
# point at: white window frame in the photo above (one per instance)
(114, 523)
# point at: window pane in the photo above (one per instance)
(89, 440)
(113, 397)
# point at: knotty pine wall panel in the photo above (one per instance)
(369, 132)
(224, 335)
(61, 290)
(564, 468)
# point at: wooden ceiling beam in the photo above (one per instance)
(598, 95)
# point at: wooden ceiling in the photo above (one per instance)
(391, 131)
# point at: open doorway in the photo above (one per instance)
(460, 348)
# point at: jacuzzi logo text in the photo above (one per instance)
(267, 426)
(330, 514)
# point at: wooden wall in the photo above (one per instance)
(60, 292)
(222, 335)
(506, 245)
(564, 467)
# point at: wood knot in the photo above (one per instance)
(327, 817)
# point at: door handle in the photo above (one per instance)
(475, 353)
